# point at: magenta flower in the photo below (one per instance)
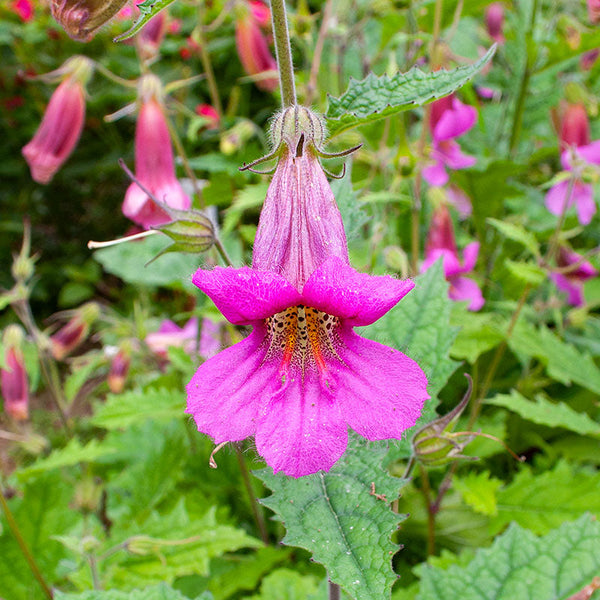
(594, 11)
(572, 280)
(62, 123)
(171, 335)
(449, 119)
(23, 8)
(574, 191)
(302, 377)
(441, 244)
(13, 378)
(154, 163)
(494, 21)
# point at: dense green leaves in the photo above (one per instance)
(343, 518)
(520, 565)
(375, 97)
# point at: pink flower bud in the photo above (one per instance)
(594, 11)
(154, 163)
(261, 13)
(151, 36)
(254, 52)
(23, 8)
(494, 20)
(61, 125)
(119, 368)
(574, 127)
(576, 273)
(589, 58)
(13, 379)
(71, 335)
(210, 114)
(81, 19)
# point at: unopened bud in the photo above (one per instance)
(191, 230)
(87, 495)
(142, 545)
(295, 124)
(574, 127)
(13, 378)
(81, 19)
(494, 20)
(119, 368)
(236, 137)
(71, 335)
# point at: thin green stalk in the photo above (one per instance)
(12, 524)
(213, 89)
(221, 250)
(426, 490)
(283, 53)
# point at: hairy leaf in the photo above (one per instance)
(338, 518)
(148, 8)
(545, 412)
(478, 491)
(285, 584)
(375, 97)
(521, 566)
(158, 592)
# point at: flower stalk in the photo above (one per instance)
(283, 53)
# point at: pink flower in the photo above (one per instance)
(154, 163)
(574, 127)
(119, 368)
(171, 335)
(151, 36)
(71, 335)
(210, 114)
(13, 379)
(441, 244)
(61, 125)
(253, 50)
(23, 8)
(574, 191)
(494, 20)
(449, 119)
(261, 13)
(302, 377)
(589, 58)
(573, 279)
(594, 11)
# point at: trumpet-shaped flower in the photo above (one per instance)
(62, 123)
(154, 163)
(576, 272)
(449, 119)
(441, 244)
(303, 376)
(13, 377)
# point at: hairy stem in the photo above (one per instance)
(283, 53)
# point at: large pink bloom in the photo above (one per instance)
(441, 244)
(572, 281)
(558, 198)
(155, 168)
(449, 119)
(303, 376)
(58, 132)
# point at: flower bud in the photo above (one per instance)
(13, 378)
(71, 335)
(81, 19)
(151, 36)
(574, 127)
(23, 8)
(206, 111)
(494, 20)
(119, 368)
(233, 139)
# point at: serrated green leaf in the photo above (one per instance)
(158, 592)
(478, 333)
(517, 234)
(122, 410)
(375, 97)
(353, 216)
(545, 412)
(147, 9)
(336, 517)
(526, 272)
(478, 490)
(72, 454)
(543, 501)
(521, 566)
(285, 584)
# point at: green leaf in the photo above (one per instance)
(251, 197)
(526, 272)
(72, 454)
(158, 592)
(478, 491)
(353, 216)
(521, 566)
(174, 545)
(419, 326)
(336, 517)
(479, 332)
(81, 372)
(285, 584)
(544, 501)
(517, 234)
(375, 97)
(148, 9)
(122, 410)
(545, 412)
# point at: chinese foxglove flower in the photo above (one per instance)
(449, 119)
(13, 377)
(252, 46)
(576, 272)
(441, 244)
(303, 376)
(154, 163)
(62, 123)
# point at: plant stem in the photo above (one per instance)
(426, 489)
(12, 524)
(256, 509)
(334, 591)
(283, 52)
(221, 250)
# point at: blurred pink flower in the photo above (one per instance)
(594, 11)
(119, 368)
(209, 113)
(149, 39)
(13, 378)
(154, 162)
(62, 123)
(441, 244)
(572, 281)
(23, 8)
(71, 335)
(261, 13)
(589, 58)
(574, 127)
(460, 201)
(449, 119)
(494, 20)
(171, 335)
(253, 49)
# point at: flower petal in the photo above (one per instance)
(337, 289)
(557, 196)
(301, 430)
(380, 390)
(463, 288)
(590, 153)
(583, 197)
(436, 174)
(246, 295)
(451, 154)
(574, 289)
(455, 122)
(225, 394)
(470, 254)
